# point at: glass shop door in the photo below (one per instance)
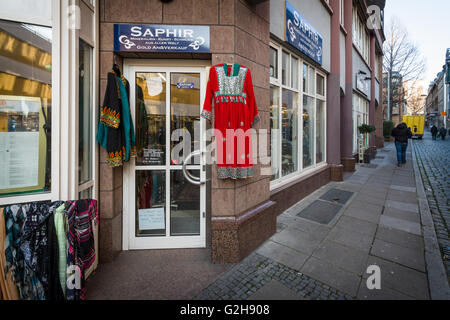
(164, 187)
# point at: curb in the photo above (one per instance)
(437, 276)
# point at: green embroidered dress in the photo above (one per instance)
(115, 128)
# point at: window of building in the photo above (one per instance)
(341, 12)
(360, 116)
(297, 117)
(25, 108)
(361, 38)
(85, 115)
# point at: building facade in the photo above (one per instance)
(316, 72)
(438, 100)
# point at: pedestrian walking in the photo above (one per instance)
(442, 133)
(401, 133)
(434, 131)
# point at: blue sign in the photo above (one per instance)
(302, 35)
(160, 38)
(185, 85)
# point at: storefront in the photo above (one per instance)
(48, 71)
(54, 76)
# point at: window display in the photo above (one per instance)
(25, 108)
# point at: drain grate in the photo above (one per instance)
(337, 196)
(320, 211)
(369, 165)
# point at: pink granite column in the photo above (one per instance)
(372, 91)
(346, 104)
(334, 98)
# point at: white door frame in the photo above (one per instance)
(130, 241)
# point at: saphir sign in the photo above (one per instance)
(302, 35)
(160, 38)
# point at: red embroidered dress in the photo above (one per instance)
(230, 90)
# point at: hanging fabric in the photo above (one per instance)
(8, 288)
(116, 131)
(80, 242)
(230, 90)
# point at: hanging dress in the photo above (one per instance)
(115, 130)
(230, 90)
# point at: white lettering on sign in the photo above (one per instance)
(137, 31)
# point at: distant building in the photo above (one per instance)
(437, 102)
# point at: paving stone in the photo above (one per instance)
(351, 238)
(359, 225)
(384, 293)
(330, 274)
(402, 196)
(400, 224)
(403, 215)
(400, 188)
(402, 206)
(300, 241)
(347, 258)
(401, 238)
(399, 278)
(408, 257)
(360, 213)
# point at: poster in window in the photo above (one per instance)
(22, 144)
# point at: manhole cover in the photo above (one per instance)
(337, 196)
(320, 211)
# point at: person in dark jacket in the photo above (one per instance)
(434, 131)
(442, 133)
(401, 133)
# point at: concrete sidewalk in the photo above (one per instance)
(372, 218)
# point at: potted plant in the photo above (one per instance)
(366, 130)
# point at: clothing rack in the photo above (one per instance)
(48, 249)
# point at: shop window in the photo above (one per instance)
(289, 132)
(273, 63)
(320, 131)
(25, 108)
(285, 68)
(274, 126)
(298, 136)
(308, 131)
(360, 116)
(85, 111)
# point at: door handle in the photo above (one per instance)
(189, 176)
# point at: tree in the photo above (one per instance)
(401, 56)
(415, 96)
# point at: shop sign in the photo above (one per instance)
(185, 85)
(302, 35)
(160, 38)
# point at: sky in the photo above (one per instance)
(428, 25)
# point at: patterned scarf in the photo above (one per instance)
(80, 241)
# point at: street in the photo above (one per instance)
(433, 162)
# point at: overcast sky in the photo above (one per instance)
(428, 25)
